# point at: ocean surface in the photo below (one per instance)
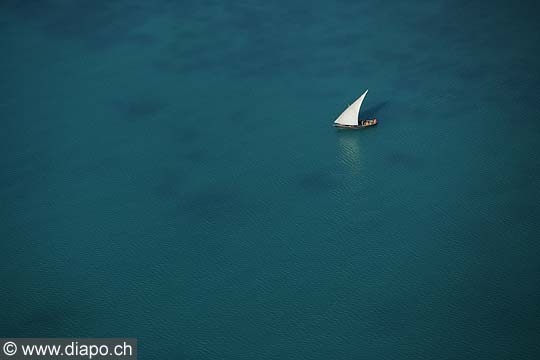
(169, 171)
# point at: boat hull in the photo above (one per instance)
(363, 124)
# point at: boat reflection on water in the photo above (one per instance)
(349, 152)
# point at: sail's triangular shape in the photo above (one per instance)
(350, 115)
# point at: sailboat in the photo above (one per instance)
(349, 118)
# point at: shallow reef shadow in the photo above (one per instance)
(405, 159)
(319, 180)
(215, 205)
(97, 25)
(141, 107)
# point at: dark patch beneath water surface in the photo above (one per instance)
(142, 39)
(142, 107)
(169, 184)
(28, 8)
(189, 146)
(46, 318)
(253, 38)
(404, 159)
(215, 205)
(41, 320)
(196, 156)
(94, 24)
(187, 134)
(317, 180)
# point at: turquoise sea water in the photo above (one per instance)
(169, 172)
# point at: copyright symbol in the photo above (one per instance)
(10, 348)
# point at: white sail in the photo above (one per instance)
(350, 115)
